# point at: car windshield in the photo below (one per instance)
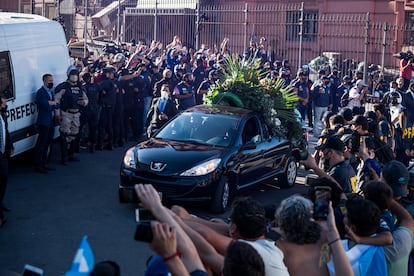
(201, 128)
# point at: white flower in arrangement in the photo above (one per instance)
(273, 112)
(278, 122)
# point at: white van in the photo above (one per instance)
(30, 46)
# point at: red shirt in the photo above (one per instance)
(407, 72)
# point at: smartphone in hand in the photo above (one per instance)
(321, 204)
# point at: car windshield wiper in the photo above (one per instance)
(192, 141)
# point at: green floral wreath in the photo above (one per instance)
(243, 84)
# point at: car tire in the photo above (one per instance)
(222, 196)
(288, 178)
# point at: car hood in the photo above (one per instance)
(172, 156)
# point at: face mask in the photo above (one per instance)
(50, 85)
(73, 78)
(165, 94)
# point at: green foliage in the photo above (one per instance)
(243, 85)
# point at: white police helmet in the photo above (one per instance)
(72, 69)
(395, 98)
(119, 58)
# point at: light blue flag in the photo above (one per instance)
(84, 260)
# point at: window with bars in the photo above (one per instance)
(409, 32)
(310, 25)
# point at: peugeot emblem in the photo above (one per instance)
(158, 166)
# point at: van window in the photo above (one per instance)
(6, 80)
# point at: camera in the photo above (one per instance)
(355, 142)
(406, 55)
(142, 214)
(321, 204)
(357, 139)
(143, 232)
(300, 155)
(30, 270)
(128, 195)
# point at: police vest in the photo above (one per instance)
(71, 97)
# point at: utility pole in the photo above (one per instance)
(57, 8)
(85, 29)
(119, 23)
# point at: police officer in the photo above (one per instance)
(133, 105)
(184, 92)
(107, 99)
(300, 87)
(71, 97)
(90, 113)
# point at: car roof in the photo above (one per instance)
(221, 109)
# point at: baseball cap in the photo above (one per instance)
(108, 69)
(361, 82)
(396, 175)
(86, 76)
(346, 113)
(212, 73)
(345, 138)
(359, 120)
(331, 142)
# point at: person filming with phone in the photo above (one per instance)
(339, 169)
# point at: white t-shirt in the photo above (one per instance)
(353, 97)
(272, 257)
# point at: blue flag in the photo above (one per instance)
(84, 260)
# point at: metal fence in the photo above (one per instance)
(291, 32)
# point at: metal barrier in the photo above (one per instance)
(288, 31)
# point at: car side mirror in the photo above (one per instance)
(249, 146)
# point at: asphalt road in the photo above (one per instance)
(52, 212)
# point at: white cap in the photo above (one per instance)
(361, 82)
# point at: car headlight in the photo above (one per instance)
(202, 169)
(129, 159)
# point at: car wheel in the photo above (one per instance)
(222, 196)
(288, 178)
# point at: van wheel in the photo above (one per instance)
(222, 196)
(288, 178)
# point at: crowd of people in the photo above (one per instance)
(363, 155)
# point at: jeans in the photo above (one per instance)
(317, 119)
(303, 110)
